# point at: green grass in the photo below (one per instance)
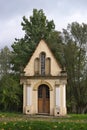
(17, 121)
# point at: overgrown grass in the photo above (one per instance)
(15, 121)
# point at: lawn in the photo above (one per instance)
(14, 121)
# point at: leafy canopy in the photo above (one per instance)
(37, 27)
(75, 57)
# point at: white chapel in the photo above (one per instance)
(44, 84)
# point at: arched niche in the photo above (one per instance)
(35, 88)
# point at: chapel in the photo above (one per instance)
(44, 84)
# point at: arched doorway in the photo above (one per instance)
(43, 99)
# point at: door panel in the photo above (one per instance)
(40, 105)
(43, 99)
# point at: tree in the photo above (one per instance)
(5, 58)
(10, 90)
(37, 27)
(10, 93)
(75, 39)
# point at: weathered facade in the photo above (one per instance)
(44, 84)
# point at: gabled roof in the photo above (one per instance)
(43, 41)
(42, 47)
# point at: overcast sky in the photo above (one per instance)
(61, 11)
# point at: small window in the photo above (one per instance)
(42, 61)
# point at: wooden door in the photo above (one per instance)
(43, 99)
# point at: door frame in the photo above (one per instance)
(47, 99)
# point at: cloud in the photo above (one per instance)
(61, 11)
(11, 30)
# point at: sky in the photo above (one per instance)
(62, 12)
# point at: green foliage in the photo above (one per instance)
(10, 90)
(10, 93)
(75, 39)
(5, 58)
(37, 27)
